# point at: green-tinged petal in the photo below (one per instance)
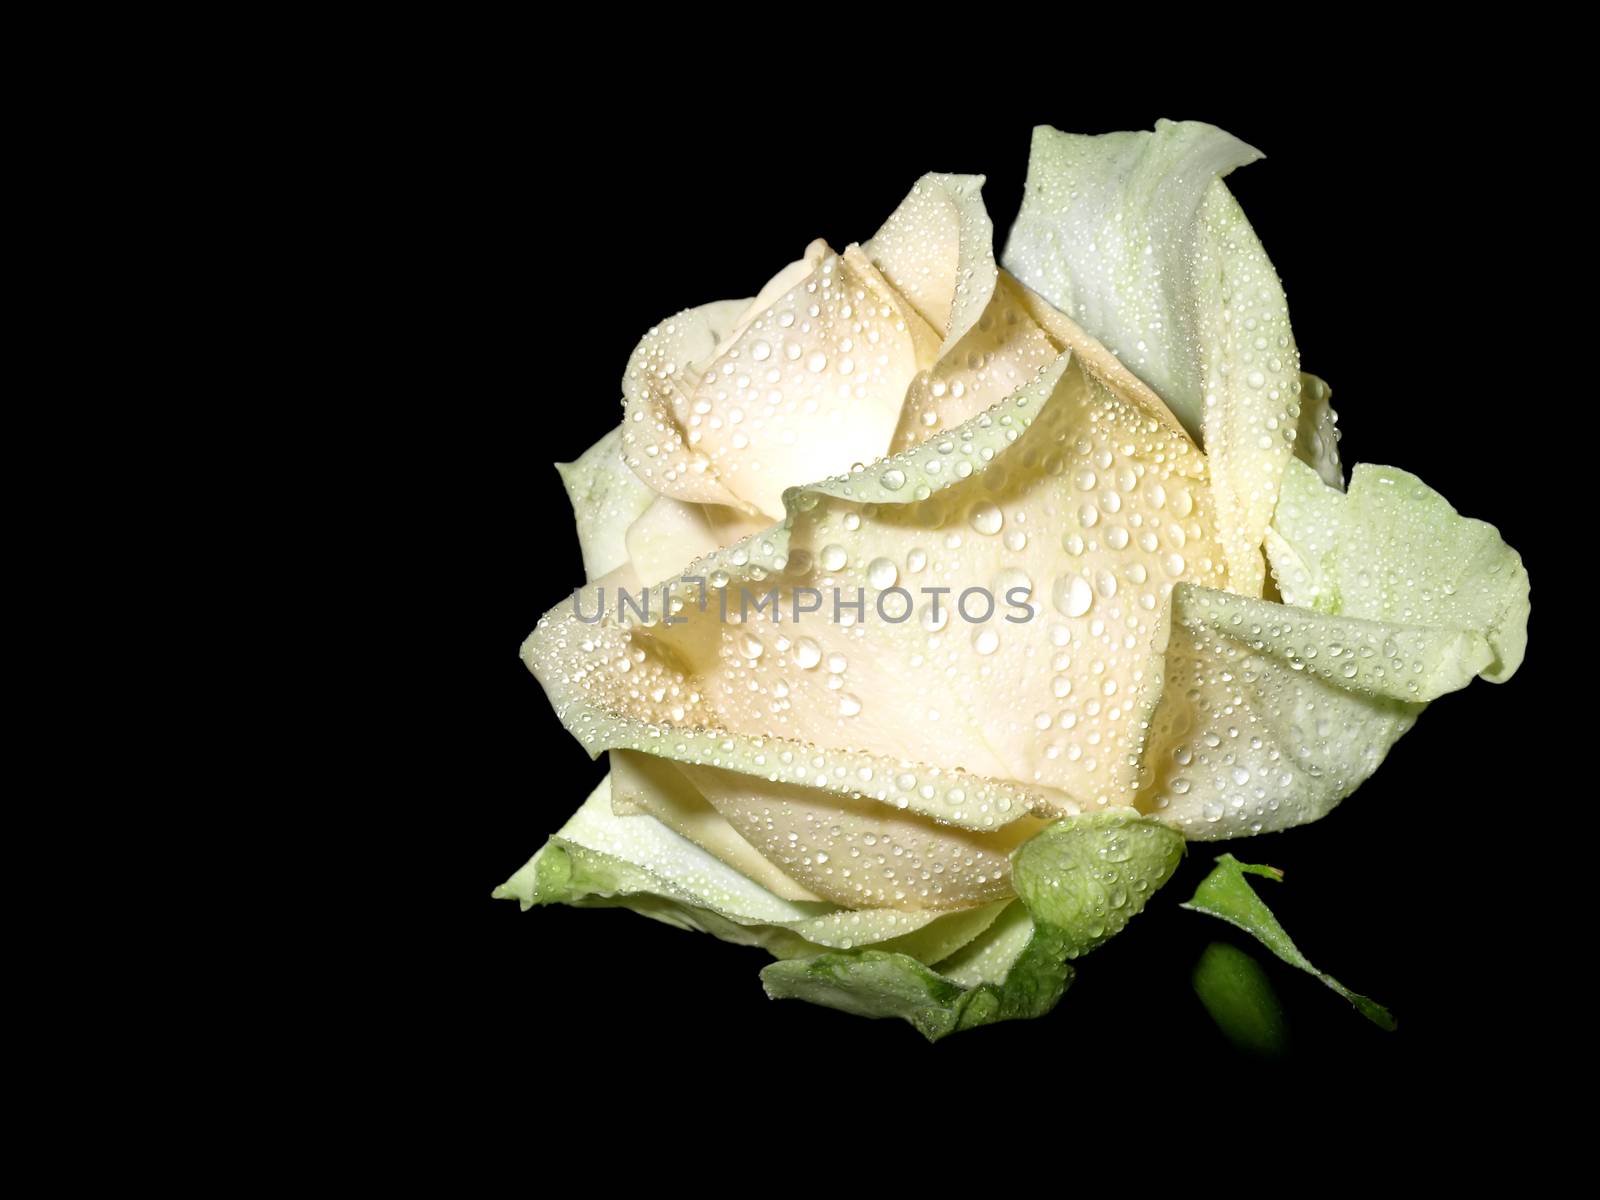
(1258, 727)
(1316, 441)
(1077, 507)
(606, 498)
(1226, 894)
(1088, 876)
(876, 983)
(1273, 713)
(1135, 237)
(1240, 999)
(634, 860)
(989, 958)
(1392, 550)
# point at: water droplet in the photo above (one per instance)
(1173, 565)
(916, 560)
(849, 705)
(817, 363)
(833, 558)
(894, 479)
(751, 646)
(985, 641)
(807, 654)
(1073, 595)
(986, 517)
(882, 573)
(761, 351)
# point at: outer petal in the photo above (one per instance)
(858, 853)
(1316, 441)
(643, 783)
(1134, 236)
(1393, 550)
(1274, 713)
(606, 498)
(599, 857)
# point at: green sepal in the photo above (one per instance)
(1227, 895)
(878, 983)
(1088, 876)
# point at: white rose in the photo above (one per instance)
(927, 818)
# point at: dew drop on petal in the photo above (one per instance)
(986, 517)
(1072, 595)
(807, 654)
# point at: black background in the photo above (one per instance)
(1402, 238)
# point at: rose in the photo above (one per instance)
(927, 818)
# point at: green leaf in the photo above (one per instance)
(1226, 894)
(1240, 999)
(876, 983)
(1088, 876)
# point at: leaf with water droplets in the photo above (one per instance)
(1088, 876)
(1226, 894)
(1135, 237)
(1032, 976)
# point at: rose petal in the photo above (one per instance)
(809, 386)
(671, 534)
(606, 499)
(664, 369)
(753, 696)
(643, 783)
(601, 857)
(1135, 237)
(859, 853)
(1273, 713)
(937, 251)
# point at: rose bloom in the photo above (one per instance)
(1177, 624)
